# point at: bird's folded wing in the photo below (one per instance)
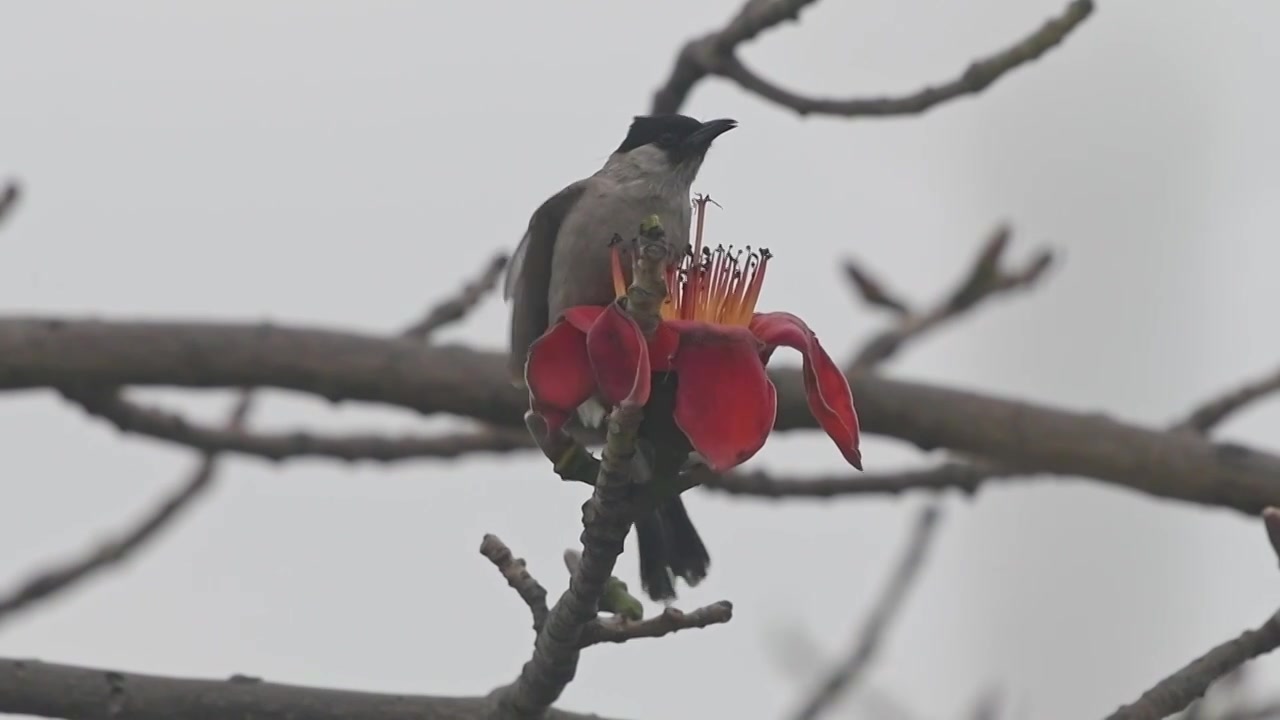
(529, 273)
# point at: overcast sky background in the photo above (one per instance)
(342, 164)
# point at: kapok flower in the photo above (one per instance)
(714, 342)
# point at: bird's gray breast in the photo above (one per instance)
(581, 273)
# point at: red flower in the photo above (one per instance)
(715, 343)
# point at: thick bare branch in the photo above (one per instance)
(457, 307)
(1176, 692)
(31, 687)
(1213, 412)
(849, 671)
(60, 577)
(1265, 711)
(43, 353)
(985, 279)
(129, 416)
(716, 54)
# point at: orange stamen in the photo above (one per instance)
(713, 286)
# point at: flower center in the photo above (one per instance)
(718, 286)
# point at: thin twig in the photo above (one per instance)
(9, 199)
(130, 416)
(966, 477)
(1271, 522)
(109, 403)
(716, 54)
(616, 599)
(457, 307)
(700, 56)
(847, 673)
(1209, 415)
(671, 620)
(518, 577)
(1180, 690)
(872, 291)
(1176, 692)
(987, 277)
(61, 577)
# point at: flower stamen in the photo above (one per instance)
(720, 286)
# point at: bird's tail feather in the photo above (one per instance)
(670, 548)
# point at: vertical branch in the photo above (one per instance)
(57, 579)
(606, 517)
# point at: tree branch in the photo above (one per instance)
(61, 577)
(699, 57)
(600, 630)
(606, 517)
(1265, 711)
(31, 687)
(670, 620)
(129, 416)
(966, 477)
(1213, 412)
(716, 54)
(872, 291)
(37, 353)
(518, 577)
(847, 674)
(10, 196)
(457, 307)
(1180, 689)
(986, 278)
(1183, 688)
(109, 404)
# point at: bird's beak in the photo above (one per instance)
(701, 138)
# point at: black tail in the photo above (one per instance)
(669, 548)
(669, 545)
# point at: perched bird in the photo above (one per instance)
(563, 261)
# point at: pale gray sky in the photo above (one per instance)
(342, 164)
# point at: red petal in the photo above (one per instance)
(662, 347)
(620, 357)
(830, 399)
(582, 316)
(558, 373)
(725, 402)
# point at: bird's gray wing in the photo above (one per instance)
(529, 274)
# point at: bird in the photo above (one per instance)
(563, 260)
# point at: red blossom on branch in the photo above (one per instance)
(712, 340)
